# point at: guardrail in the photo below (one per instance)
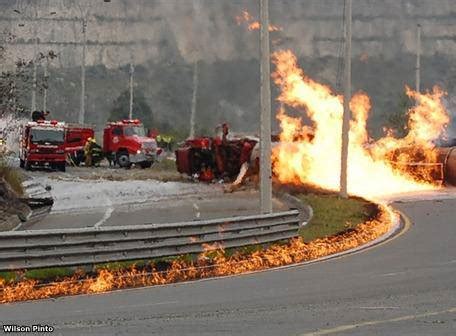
(86, 246)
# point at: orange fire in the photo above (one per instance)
(212, 263)
(311, 154)
(252, 24)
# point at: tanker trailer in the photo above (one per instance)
(447, 157)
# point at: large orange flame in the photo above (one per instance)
(311, 154)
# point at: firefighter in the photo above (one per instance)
(39, 115)
(167, 139)
(88, 151)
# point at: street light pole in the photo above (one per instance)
(83, 71)
(132, 70)
(194, 96)
(347, 96)
(35, 48)
(46, 82)
(265, 117)
(418, 58)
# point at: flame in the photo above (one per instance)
(211, 263)
(311, 154)
(103, 282)
(252, 24)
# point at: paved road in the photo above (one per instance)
(404, 287)
(170, 210)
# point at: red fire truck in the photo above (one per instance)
(43, 144)
(75, 139)
(125, 142)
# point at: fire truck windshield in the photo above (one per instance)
(135, 130)
(51, 136)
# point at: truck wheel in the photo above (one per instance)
(61, 167)
(145, 164)
(21, 163)
(123, 159)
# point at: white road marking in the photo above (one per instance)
(378, 308)
(347, 327)
(392, 274)
(17, 227)
(107, 213)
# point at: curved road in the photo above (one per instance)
(404, 287)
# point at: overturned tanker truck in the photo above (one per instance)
(447, 159)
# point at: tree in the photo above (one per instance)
(397, 121)
(17, 81)
(141, 109)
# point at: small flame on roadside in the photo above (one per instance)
(252, 24)
(310, 154)
(211, 263)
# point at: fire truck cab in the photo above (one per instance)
(43, 144)
(125, 142)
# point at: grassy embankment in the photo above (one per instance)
(332, 215)
(12, 176)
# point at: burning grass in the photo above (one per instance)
(214, 262)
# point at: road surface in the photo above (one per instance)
(100, 202)
(404, 287)
(170, 210)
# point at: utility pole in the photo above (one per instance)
(35, 60)
(418, 58)
(81, 116)
(194, 96)
(46, 82)
(132, 70)
(265, 107)
(347, 96)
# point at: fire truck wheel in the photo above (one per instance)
(61, 167)
(145, 165)
(123, 160)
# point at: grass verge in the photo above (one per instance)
(333, 215)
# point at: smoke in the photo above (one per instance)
(450, 105)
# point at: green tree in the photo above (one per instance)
(141, 109)
(397, 121)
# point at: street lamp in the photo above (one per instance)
(265, 107)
